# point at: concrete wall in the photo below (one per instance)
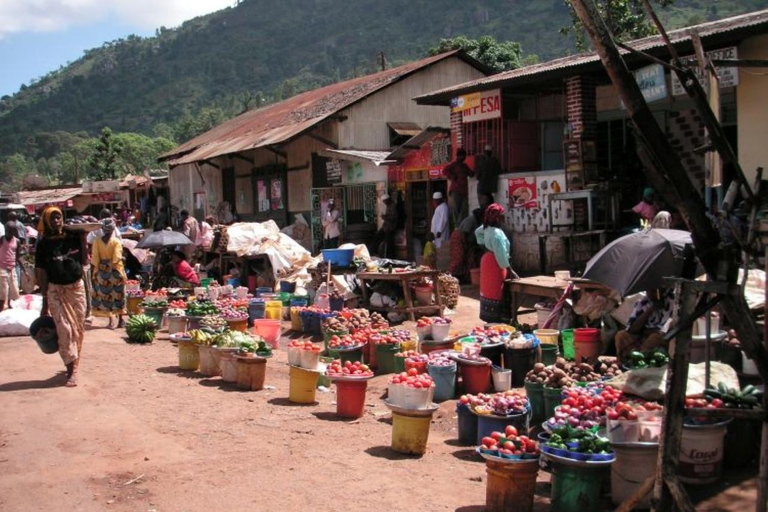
(752, 108)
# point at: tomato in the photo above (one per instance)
(413, 371)
(496, 435)
(510, 430)
(509, 445)
(716, 402)
(488, 441)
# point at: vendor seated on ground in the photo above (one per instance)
(647, 325)
(178, 273)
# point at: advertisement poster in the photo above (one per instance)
(522, 193)
(277, 194)
(261, 188)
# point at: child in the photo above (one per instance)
(430, 251)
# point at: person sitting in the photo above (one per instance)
(647, 325)
(183, 271)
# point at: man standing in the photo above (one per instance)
(389, 227)
(440, 228)
(331, 226)
(190, 228)
(487, 170)
(458, 172)
(9, 258)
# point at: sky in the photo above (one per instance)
(38, 36)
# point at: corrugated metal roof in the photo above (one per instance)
(409, 129)
(586, 62)
(416, 142)
(282, 121)
(377, 157)
(51, 195)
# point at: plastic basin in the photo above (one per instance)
(268, 329)
(338, 257)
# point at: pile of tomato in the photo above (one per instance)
(412, 379)
(304, 345)
(348, 368)
(177, 304)
(510, 442)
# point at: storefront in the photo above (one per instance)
(355, 180)
(418, 175)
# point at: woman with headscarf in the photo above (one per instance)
(108, 296)
(59, 260)
(494, 265)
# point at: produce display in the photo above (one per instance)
(135, 293)
(257, 347)
(731, 398)
(154, 302)
(608, 370)
(140, 329)
(440, 359)
(213, 322)
(304, 345)
(80, 219)
(491, 335)
(551, 376)
(200, 337)
(234, 339)
(345, 341)
(177, 304)
(583, 372)
(655, 359)
(412, 379)
(510, 445)
(336, 324)
(231, 313)
(348, 369)
(504, 403)
(578, 444)
(472, 358)
(400, 335)
(584, 408)
(630, 411)
(201, 308)
(378, 322)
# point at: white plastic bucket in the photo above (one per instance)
(633, 465)
(700, 328)
(294, 356)
(440, 331)
(242, 292)
(213, 292)
(701, 453)
(410, 398)
(650, 429)
(623, 431)
(542, 313)
(310, 359)
(502, 379)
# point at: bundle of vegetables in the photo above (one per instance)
(654, 359)
(251, 345)
(234, 339)
(140, 329)
(731, 398)
(578, 444)
(154, 302)
(348, 369)
(510, 445)
(504, 403)
(201, 308)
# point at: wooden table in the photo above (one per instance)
(538, 286)
(405, 279)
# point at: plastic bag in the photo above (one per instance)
(16, 322)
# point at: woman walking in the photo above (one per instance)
(494, 265)
(108, 297)
(59, 263)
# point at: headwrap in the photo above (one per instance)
(493, 214)
(45, 222)
(648, 192)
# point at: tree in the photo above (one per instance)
(499, 55)
(104, 162)
(625, 18)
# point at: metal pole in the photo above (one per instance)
(707, 345)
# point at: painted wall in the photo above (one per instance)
(366, 126)
(752, 108)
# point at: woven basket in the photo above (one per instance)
(449, 290)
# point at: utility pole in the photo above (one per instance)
(381, 60)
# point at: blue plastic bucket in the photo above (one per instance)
(299, 303)
(287, 287)
(445, 381)
(256, 309)
(487, 424)
(234, 282)
(263, 289)
(337, 304)
(467, 425)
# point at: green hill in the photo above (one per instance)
(264, 50)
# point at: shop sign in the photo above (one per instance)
(333, 172)
(522, 193)
(728, 77)
(436, 173)
(652, 83)
(478, 106)
(95, 187)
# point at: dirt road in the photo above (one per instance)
(138, 435)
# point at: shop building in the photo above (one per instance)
(567, 147)
(290, 158)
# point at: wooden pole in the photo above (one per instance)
(666, 173)
(674, 403)
(762, 478)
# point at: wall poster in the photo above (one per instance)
(522, 193)
(263, 199)
(276, 194)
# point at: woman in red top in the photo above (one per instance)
(184, 271)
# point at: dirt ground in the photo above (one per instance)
(137, 434)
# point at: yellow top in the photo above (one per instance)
(111, 251)
(429, 249)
